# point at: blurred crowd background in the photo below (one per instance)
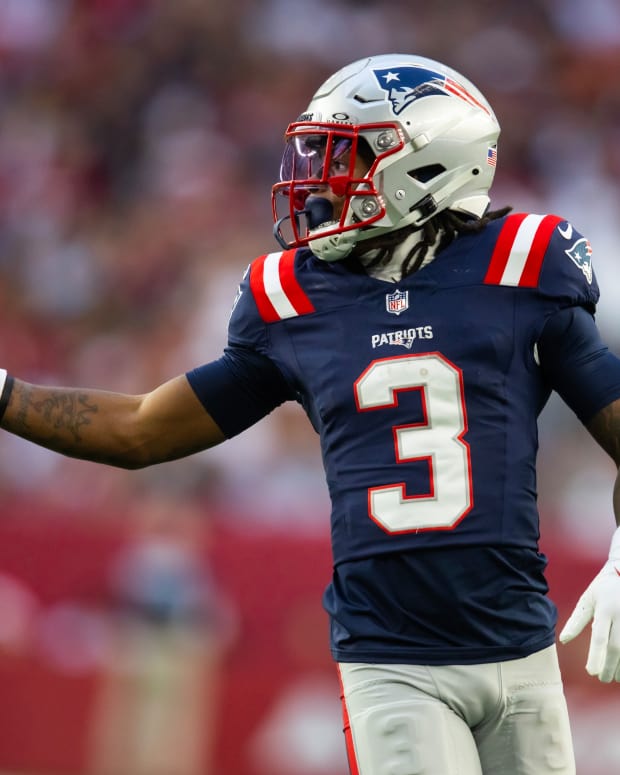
(139, 140)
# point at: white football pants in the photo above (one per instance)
(503, 718)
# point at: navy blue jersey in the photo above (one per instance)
(425, 394)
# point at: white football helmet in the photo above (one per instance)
(428, 138)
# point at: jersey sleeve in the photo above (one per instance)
(245, 384)
(567, 271)
(239, 389)
(546, 254)
(246, 328)
(577, 363)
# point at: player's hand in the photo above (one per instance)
(601, 604)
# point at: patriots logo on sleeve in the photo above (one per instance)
(581, 254)
(406, 84)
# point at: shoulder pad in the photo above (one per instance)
(543, 252)
(276, 289)
(520, 249)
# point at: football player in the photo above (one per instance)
(422, 333)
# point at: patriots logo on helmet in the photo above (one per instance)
(409, 83)
(581, 254)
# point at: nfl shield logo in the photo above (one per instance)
(397, 302)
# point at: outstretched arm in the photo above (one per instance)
(128, 431)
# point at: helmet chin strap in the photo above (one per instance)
(334, 247)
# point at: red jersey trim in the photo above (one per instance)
(520, 250)
(348, 734)
(257, 286)
(503, 246)
(533, 265)
(276, 290)
(296, 294)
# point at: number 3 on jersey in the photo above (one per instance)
(437, 439)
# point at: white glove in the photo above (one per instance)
(601, 603)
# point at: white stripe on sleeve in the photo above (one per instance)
(524, 239)
(273, 286)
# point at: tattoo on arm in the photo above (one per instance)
(54, 412)
(118, 429)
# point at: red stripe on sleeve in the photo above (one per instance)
(290, 285)
(534, 261)
(257, 286)
(503, 246)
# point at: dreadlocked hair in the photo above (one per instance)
(441, 231)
